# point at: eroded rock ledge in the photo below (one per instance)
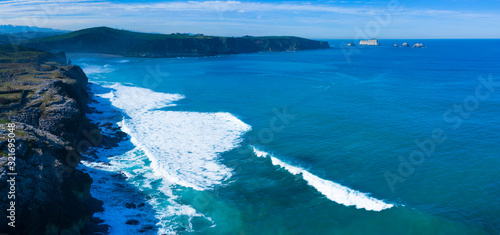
(47, 100)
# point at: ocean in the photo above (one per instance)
(356, 140)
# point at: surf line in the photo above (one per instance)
(333, 191)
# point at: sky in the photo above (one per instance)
(344, 19)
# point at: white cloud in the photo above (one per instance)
(29, 7)
(218, 17)
(97, 7)
(201, 6)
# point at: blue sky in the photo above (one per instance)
(313, 19)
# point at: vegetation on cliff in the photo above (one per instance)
(125, 43)
(47, 100)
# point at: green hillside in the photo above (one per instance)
(126, 43)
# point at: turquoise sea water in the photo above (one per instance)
(309, 142)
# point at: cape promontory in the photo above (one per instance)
(106, 40)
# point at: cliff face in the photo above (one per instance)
(120, 42)
(47, 100)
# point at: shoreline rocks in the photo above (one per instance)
(52, 196)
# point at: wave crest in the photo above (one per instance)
(333, 191)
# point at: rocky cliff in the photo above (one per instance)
(120, 42)
(46, 100)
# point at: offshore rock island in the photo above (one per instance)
(371, 42)
(104, 40)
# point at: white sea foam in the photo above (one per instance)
(93, 70)
(135, 101)
(183, 146)
(333, 191)
(165, 212)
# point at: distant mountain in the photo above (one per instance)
(6, 29)
(21, 37)
(121, 42)
(13, 34)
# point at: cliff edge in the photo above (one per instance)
(46, 100)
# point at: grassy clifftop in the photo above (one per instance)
(121, 42)
(22, 68)
(46, 99)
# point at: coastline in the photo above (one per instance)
(51, 132)
(117, 165)
(132, 168)
(145, 45)
(98, 163)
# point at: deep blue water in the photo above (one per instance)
(352, 121)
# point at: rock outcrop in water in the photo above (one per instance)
(371, 42)
(47, 101)
(125, 43)
(418, 45)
